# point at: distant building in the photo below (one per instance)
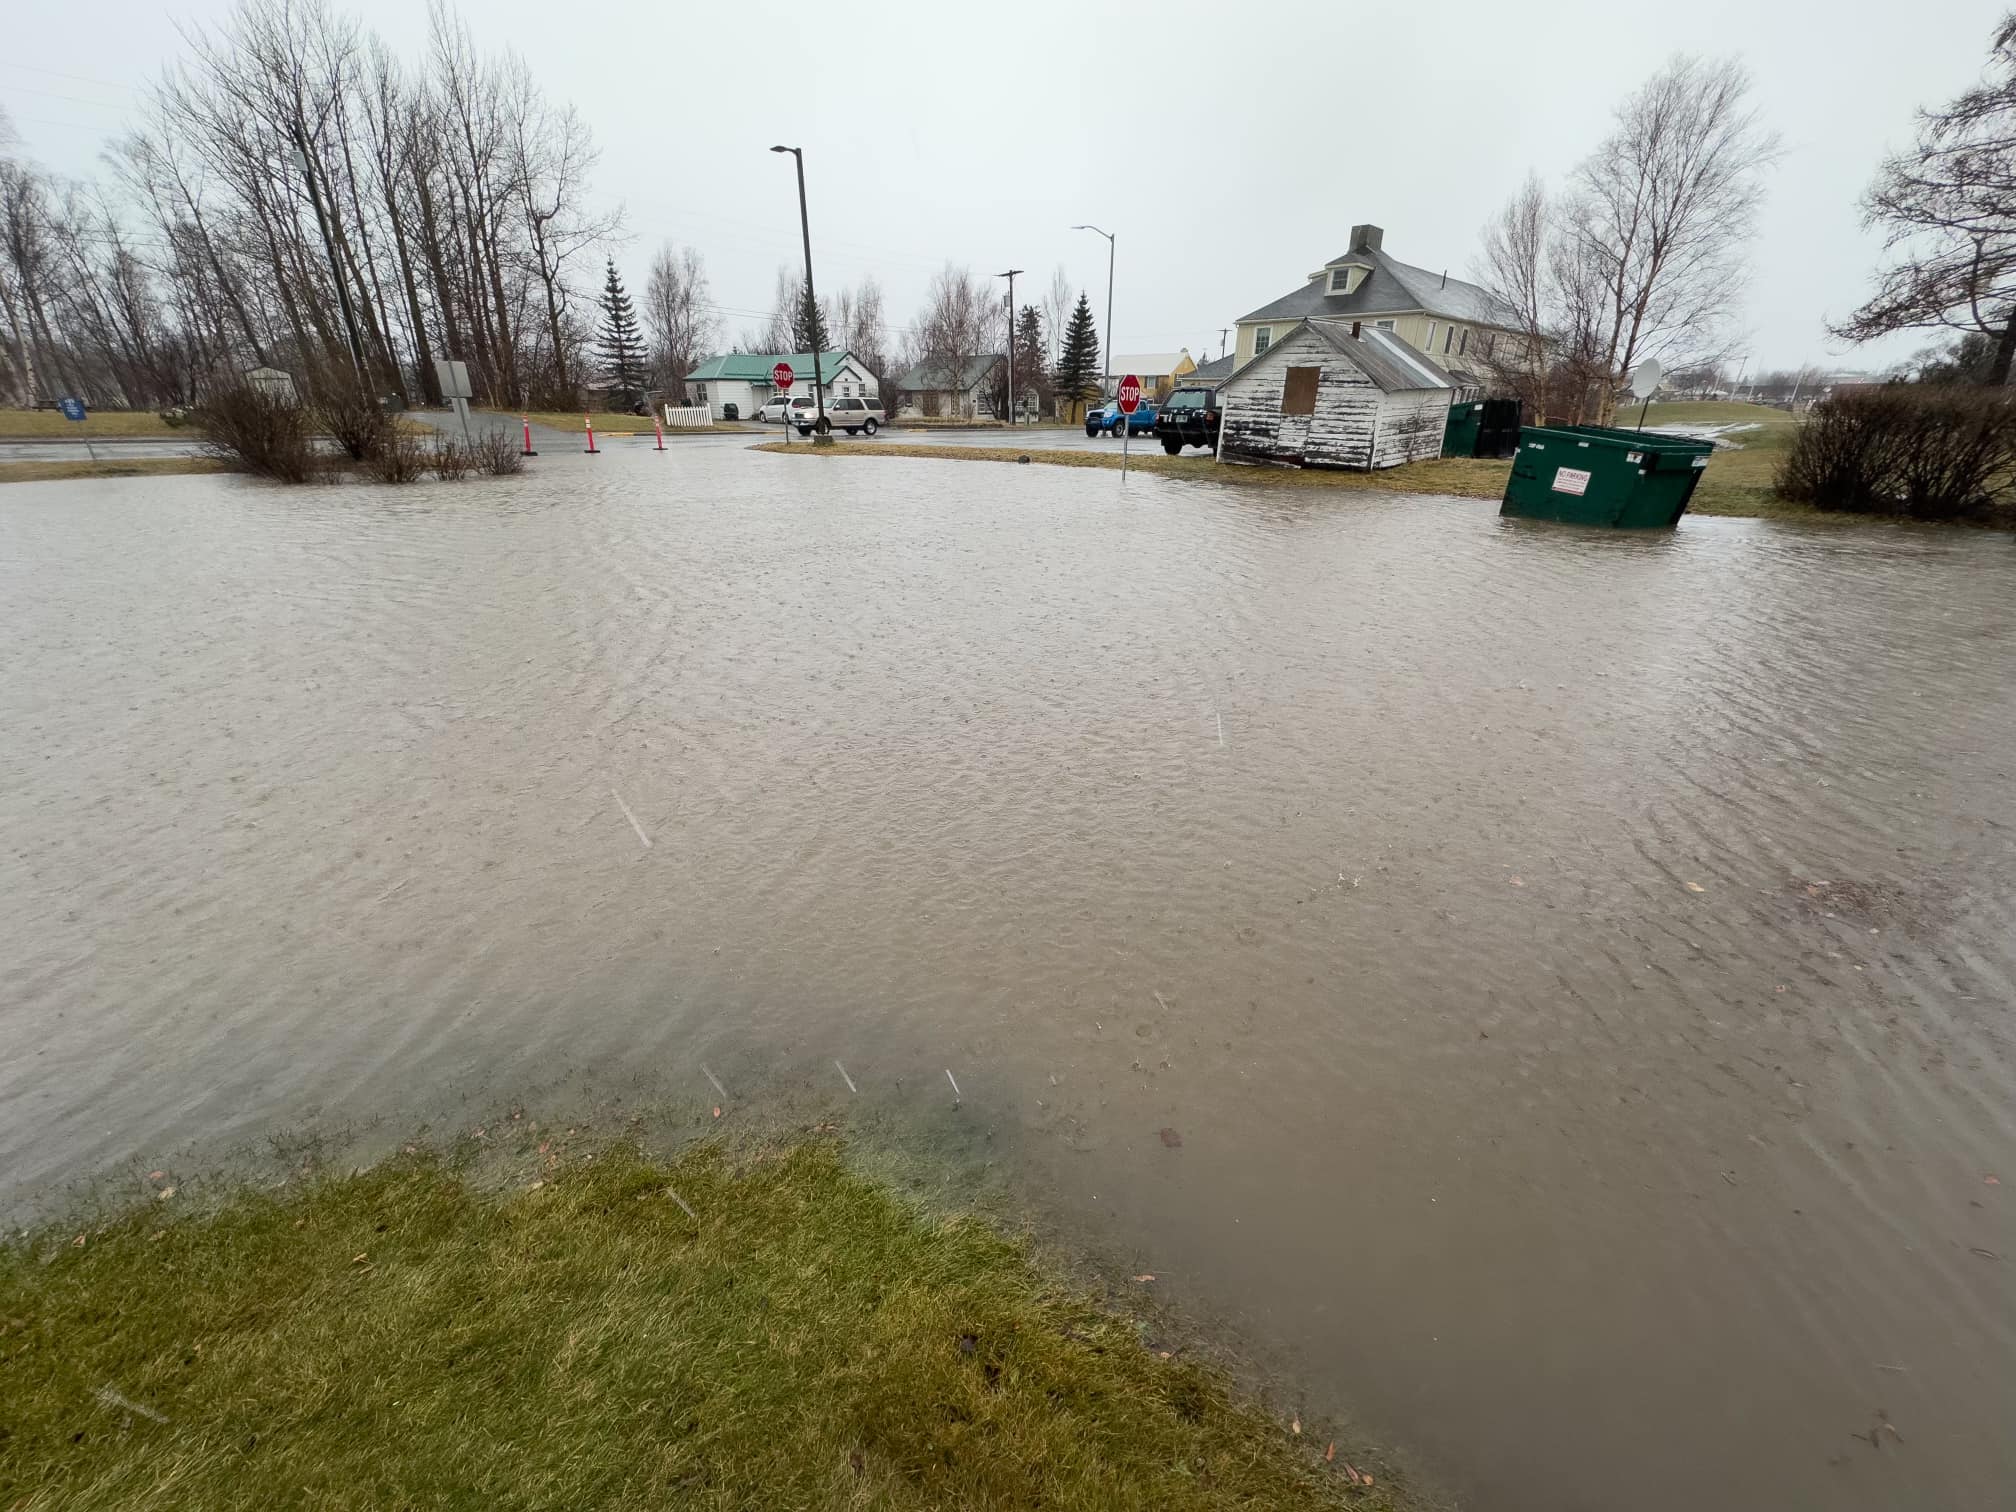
(933, 389)
(743, 379)
(1454, 322)
(1211, 373)
(1159, 372)
(1337, 394)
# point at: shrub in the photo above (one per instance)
(258, 433)
(176, 416)
(1927, 451)
(497, 453)
(400, 458)
(451, 462)
(356, 420)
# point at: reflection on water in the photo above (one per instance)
(1575, 968)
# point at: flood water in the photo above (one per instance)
(1574, 969)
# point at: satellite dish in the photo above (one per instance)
(1645, 379)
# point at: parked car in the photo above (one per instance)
(854, 416)
(1108, 418)
(1189, 417)
(775, 411)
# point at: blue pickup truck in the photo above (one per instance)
(1107, 418)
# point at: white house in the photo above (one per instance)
(1337, 394)
(743, 379)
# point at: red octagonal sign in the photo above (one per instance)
(781, 376)
(1130, 394)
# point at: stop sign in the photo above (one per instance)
(781, 376)
(1130, 394)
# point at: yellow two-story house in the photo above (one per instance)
(1454, 322)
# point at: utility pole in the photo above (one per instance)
(1106, 347)
(821, 432)
(1010, 276)
(307, 168)
(1223, 332)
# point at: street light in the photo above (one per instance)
(822, 432)
(1106, 348)
(1010, 275)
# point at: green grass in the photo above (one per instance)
(18, 424)
(802, 1338)
(135, 467)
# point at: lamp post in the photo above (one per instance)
(821, 432)
(1010, 275)
(1106, 347)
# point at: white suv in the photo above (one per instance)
(854, 416)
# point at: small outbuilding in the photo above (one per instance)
(1337, 394)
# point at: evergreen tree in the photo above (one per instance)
(1077, 374)
(620, 345)
(1030, 368)
(808, 325)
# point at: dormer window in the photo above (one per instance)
(1340, 280)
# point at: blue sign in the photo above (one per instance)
(73, 409)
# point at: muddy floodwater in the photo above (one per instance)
(1548, 994)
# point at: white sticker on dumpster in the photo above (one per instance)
(1573, 480)
(1700, 461)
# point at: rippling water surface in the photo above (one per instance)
(1577, 967)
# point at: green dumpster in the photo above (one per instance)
(1459, 436)
(1597, 475)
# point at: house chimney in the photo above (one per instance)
(1445, 278)
(1366, 238)
(1354, 329)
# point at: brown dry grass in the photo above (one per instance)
(135, 467)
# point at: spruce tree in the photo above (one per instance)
(1078, 363)
(620, 345)
(808, 325)
(1030, 368)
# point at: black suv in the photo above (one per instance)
(1189, 417)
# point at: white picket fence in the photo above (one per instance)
(692, 417)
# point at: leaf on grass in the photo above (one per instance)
(1696, 887)
(1295, 1425)
(1330, 1453)
(360, 1259)
(1145, 1276)
(717, 1110)
(1991, 1181)
(1171, 1138)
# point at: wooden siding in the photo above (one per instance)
(1353, 423)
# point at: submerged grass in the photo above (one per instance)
(134, 467)
(779, 1332)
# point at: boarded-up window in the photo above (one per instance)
(1298, 394)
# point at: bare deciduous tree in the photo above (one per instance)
(1948, 211)
(1057, 302)
(678, 318)
(1662, 213)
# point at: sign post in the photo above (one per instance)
(1644, 384)
(1130, 401)
(781, 379)
(74, 410)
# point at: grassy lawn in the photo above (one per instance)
(1736, 483)
(20, 424)
(136, 467)
(770, 1332)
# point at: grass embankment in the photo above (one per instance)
(606, 423)
(135, 467)
(782, 1333)
(1736, 483)
(20, 424)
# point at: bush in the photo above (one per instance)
(497, 453)
(177, 416)
(258, 433)
(356, 420)
(451, 462)
(1927, 451)
(400, 458)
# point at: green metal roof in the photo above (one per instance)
(755, 366)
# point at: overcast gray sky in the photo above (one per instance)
(1230, 145)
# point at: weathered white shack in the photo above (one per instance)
(1336, 394)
